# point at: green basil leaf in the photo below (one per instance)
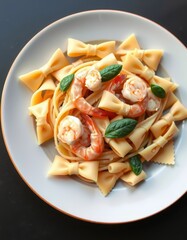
(66, 82)
(110, 72)
(158, 91)
(136, 164)
(120, 128)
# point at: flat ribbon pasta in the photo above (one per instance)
(45, 91)
(61, 166)
(132, 179)
(43, 128)
(177, 113)
(34, 79)
(134, 65)
(117, 167)
(78, 48)
(149, 152)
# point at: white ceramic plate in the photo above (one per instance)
(164, 184)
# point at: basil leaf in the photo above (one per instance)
(136, 164)
(158, 91)
(66, 82)
(120, 128)
(110, 72)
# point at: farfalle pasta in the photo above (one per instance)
(35, 78)
(107, 111)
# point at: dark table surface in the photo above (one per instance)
(22, 214)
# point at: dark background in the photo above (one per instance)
(22, 214)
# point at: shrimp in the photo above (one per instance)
(70, 130)
(85, 138)
(78, 88)
(93, 80)
(134, 89)
(137, 109)
(116, 84)
(153, 103)
(96, 146)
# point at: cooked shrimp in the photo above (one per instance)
(134, 89)
(116, 84)
(153, 103)
(70, 129)
(85, 138)
(86, 108)
(77, 92)
(137, 109)
(78, 85)
(96, 146)
(93, 80)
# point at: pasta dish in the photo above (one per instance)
(107, 111)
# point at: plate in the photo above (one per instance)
(164, 184)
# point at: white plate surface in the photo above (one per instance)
(164, 184)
